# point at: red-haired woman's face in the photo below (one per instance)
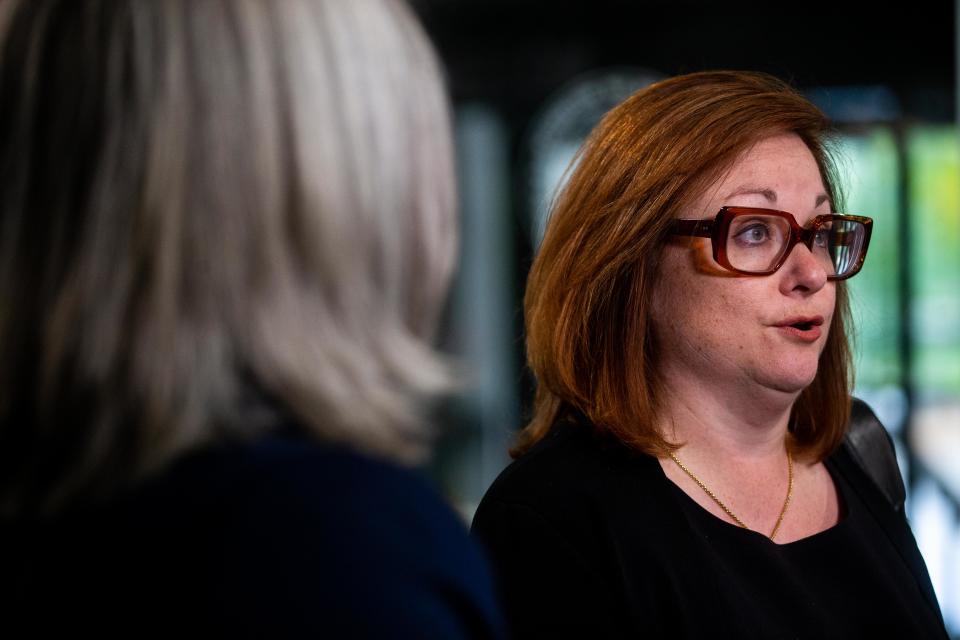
(726, 332)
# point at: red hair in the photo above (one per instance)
(590, 343)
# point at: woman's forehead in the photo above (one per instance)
(777, 172)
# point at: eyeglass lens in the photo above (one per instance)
(757, 243)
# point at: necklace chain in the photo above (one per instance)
(727, 510)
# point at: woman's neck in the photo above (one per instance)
(739, 425)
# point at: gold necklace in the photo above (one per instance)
(726, 509)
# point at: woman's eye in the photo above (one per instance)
(754, 234)
(822, 238)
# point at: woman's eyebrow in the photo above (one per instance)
(749, 189)
(770, 194)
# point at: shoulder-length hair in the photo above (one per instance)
(216, 216)
(589, 336)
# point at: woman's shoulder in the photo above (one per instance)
(288, 472)
(373, 541)
(555, 524)
(288, 478)
(283, 534)
(300, 496)
(570, 455)
(574, 470)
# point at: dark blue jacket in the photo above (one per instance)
(278, 538)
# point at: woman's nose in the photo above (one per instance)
(804, 270)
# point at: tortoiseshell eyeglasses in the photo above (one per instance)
(756, 242)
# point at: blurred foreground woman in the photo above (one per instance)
(226, 232)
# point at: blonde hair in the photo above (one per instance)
(216, 215)
(590, 342)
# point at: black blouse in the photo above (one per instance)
(590, 540)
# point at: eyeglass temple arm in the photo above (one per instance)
(700, 228)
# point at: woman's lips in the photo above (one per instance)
(804, 335)
(802, 328)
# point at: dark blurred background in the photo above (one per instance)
(530, 78)
(515, 53)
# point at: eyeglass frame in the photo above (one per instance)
(718, 228)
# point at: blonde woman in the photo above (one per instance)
(226, 230)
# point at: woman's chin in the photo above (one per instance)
(793, 384)
(792, 378)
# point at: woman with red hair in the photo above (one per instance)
(687, 471)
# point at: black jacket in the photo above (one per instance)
(276, 538)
